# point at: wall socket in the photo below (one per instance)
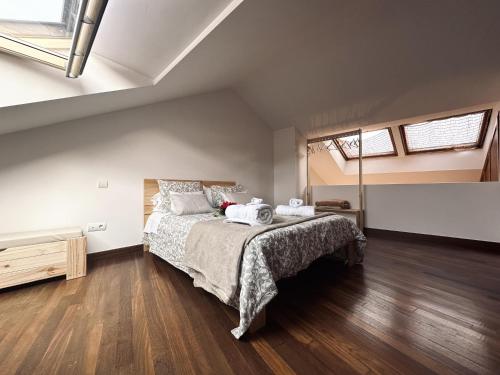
(96, 227)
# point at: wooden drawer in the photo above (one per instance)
(19, 264)
(32, 274)
(23, 264)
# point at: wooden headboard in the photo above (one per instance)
(151, 188)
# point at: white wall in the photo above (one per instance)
(301, 144)
(285, 165)
(461, 210)
(48, 176)
(290, 164)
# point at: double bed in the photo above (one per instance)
(266, 258)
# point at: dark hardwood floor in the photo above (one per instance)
(411, 309)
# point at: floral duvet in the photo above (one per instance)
(268, 257)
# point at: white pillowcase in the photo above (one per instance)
(189, 203)
(238, 197)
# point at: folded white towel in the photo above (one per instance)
(252, 214)
(256, 201)
(295, 202)
(283, 210)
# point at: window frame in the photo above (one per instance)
(479, 144)
(29, 51)
(83, 17)
(346, 158)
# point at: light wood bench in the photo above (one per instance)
(31, 256)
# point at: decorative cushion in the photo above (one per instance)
(159, 203)
(189, 203)
(240, 198)
(208, 193)
(166, 186)
(217, 192)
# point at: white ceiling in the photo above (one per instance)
(146, 35)
(317, 64)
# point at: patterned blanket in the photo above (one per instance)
(269, 257)
(214, 249)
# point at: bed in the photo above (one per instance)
(267, 258)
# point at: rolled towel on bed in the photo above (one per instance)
(283, 210)
(256, 201)
(252, 214)
(295, 202)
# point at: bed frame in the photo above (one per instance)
(151, 188)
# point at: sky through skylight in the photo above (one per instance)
(47, 11)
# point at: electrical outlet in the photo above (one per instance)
(102, 184)
(96, 227)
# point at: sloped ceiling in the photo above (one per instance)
(344, 63)
(322, 64)
(144, 35)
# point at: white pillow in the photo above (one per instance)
(240, 198)
(189, 203)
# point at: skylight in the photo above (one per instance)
(457, 132)
(375, 143)
(53, 32)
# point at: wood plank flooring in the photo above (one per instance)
(410, 309)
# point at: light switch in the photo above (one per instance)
(102, 184)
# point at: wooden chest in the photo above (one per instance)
(23, 264)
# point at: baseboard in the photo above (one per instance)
(115, 252)
(441, 240)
